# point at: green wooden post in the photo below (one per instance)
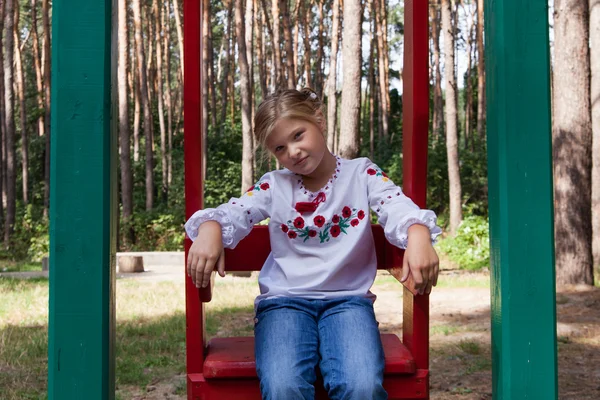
(82, 204)
(520, 199)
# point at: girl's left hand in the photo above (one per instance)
(420, 259)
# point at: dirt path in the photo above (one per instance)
(460, 359)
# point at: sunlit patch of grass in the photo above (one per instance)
(442, 330)
(20, 266)
(470, 347)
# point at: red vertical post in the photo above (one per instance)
(415, 117)
(192, 26)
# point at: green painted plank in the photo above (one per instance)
(520, 200)
(82, 204)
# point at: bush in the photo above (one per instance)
(470, 248)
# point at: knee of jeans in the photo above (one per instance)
(359, 388)
(281, 386)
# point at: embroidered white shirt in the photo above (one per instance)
(328, 252)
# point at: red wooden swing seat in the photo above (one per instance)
(224, 368)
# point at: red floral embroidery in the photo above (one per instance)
(299, 223)
(257, 187)
(335, 230)
(371, 171)
(346, 212)
(378, 172)
(319, 221)
(297, 228)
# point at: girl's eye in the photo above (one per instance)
(278, 148)
(298, 135)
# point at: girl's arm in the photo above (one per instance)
(405, 226)
(213, 229)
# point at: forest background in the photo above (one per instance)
(350, 52)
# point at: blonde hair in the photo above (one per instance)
(302, 104)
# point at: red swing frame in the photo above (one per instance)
(224, 368)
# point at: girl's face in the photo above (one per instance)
(298, 145)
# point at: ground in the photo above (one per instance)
(459, 341)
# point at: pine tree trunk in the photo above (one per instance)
(124, 136)
(383, 89)
(277, 43)
(38, 66)
(307, 48)
(469, 82)
(145, 102)
(296, 37)
(247, 153)
(178, 27)
(47, 89)
(371, 77)
(451, 117)
(211, 81)
(480, 72)
(572, 143)
(225, 79)
(20, 83)
(204, 81)
(2, 120)
(168, 99)
(156, 10)
(260, 55)
(318, 79)
(438, 100)
(332, 80)
(9, 22)
(289, 46)
(595, 97)
(351, 54)
(136, 107)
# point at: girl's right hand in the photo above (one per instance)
(205, 253)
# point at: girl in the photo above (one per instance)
(315, 309)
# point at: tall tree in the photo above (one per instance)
(157, 11)
(260, 47)
(205, 80)
(168, 99)
(307, 47)
(438, 99)
(289, 46)
(480, 72)
(469, 83)
(145, 102)
(318, 78)
(2, 119)
(277, 43)
(371, 78)
(572, 143)
(47, 90)
(595, 100)
(38, 66)
(20, 85)
(225, 80)
(179, 30)
(332, 80)
(381, 26)
(124, 135)
(247, 151)
(351, 54)
(9, 21)
(451, 116)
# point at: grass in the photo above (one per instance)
(150, 332)
(454, 280)
(13, 266)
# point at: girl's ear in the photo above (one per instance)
(322, 122)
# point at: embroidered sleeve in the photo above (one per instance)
(396, 211)
(238, 216)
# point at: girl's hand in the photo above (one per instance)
(205, 253)
(420, 259)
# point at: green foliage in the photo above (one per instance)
(470, 248)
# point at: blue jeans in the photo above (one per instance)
(294, 336)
